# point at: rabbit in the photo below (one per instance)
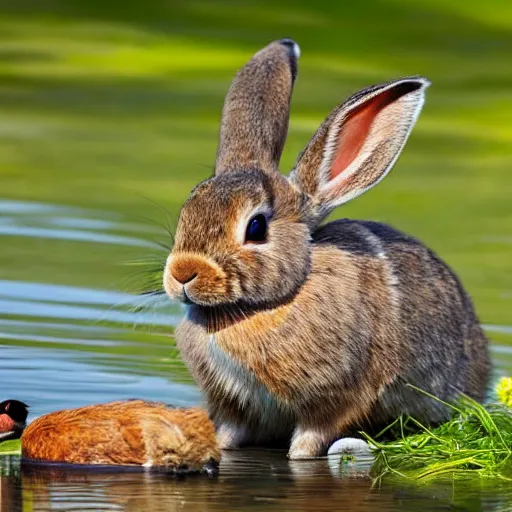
(299, 331)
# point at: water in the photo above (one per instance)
(248, 481)
(109, 116)
(65, 346)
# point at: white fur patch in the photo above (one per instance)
(382, 255)
(378, 247)
(241, 384)
(392, 279)
(148, 463)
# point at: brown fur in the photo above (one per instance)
(260, 127)
(124, 433)
(317, 331)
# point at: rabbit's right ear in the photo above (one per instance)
(358, 143)
(256, 110)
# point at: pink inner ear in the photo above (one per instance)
(355, 129)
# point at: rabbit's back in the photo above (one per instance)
(444, 349)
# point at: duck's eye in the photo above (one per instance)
(256, 229)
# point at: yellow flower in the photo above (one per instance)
(504, 390)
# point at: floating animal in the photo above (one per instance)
(125, 433)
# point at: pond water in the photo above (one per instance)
(109, 115)
(65, 346)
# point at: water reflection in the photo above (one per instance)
(255, 480)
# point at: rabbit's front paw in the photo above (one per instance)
(230, 436)
(306, 444)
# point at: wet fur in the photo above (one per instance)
(130, 433)
(317, 332)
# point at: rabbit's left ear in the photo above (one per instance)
(358, 143)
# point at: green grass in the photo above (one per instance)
(476, 442)
(12, 447)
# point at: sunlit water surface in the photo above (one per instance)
(63, 346)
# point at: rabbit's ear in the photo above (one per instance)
(256, 110)
(359, 142)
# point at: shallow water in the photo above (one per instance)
(65, 346)
(252, 480)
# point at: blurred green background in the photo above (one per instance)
(115, 106)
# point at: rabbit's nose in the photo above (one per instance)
(183, 275)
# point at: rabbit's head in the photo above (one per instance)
(243, 235)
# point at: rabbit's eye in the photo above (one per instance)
(256, 229)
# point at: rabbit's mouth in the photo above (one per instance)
(186, 299)
(195, 279)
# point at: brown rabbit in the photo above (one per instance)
(302, 331)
